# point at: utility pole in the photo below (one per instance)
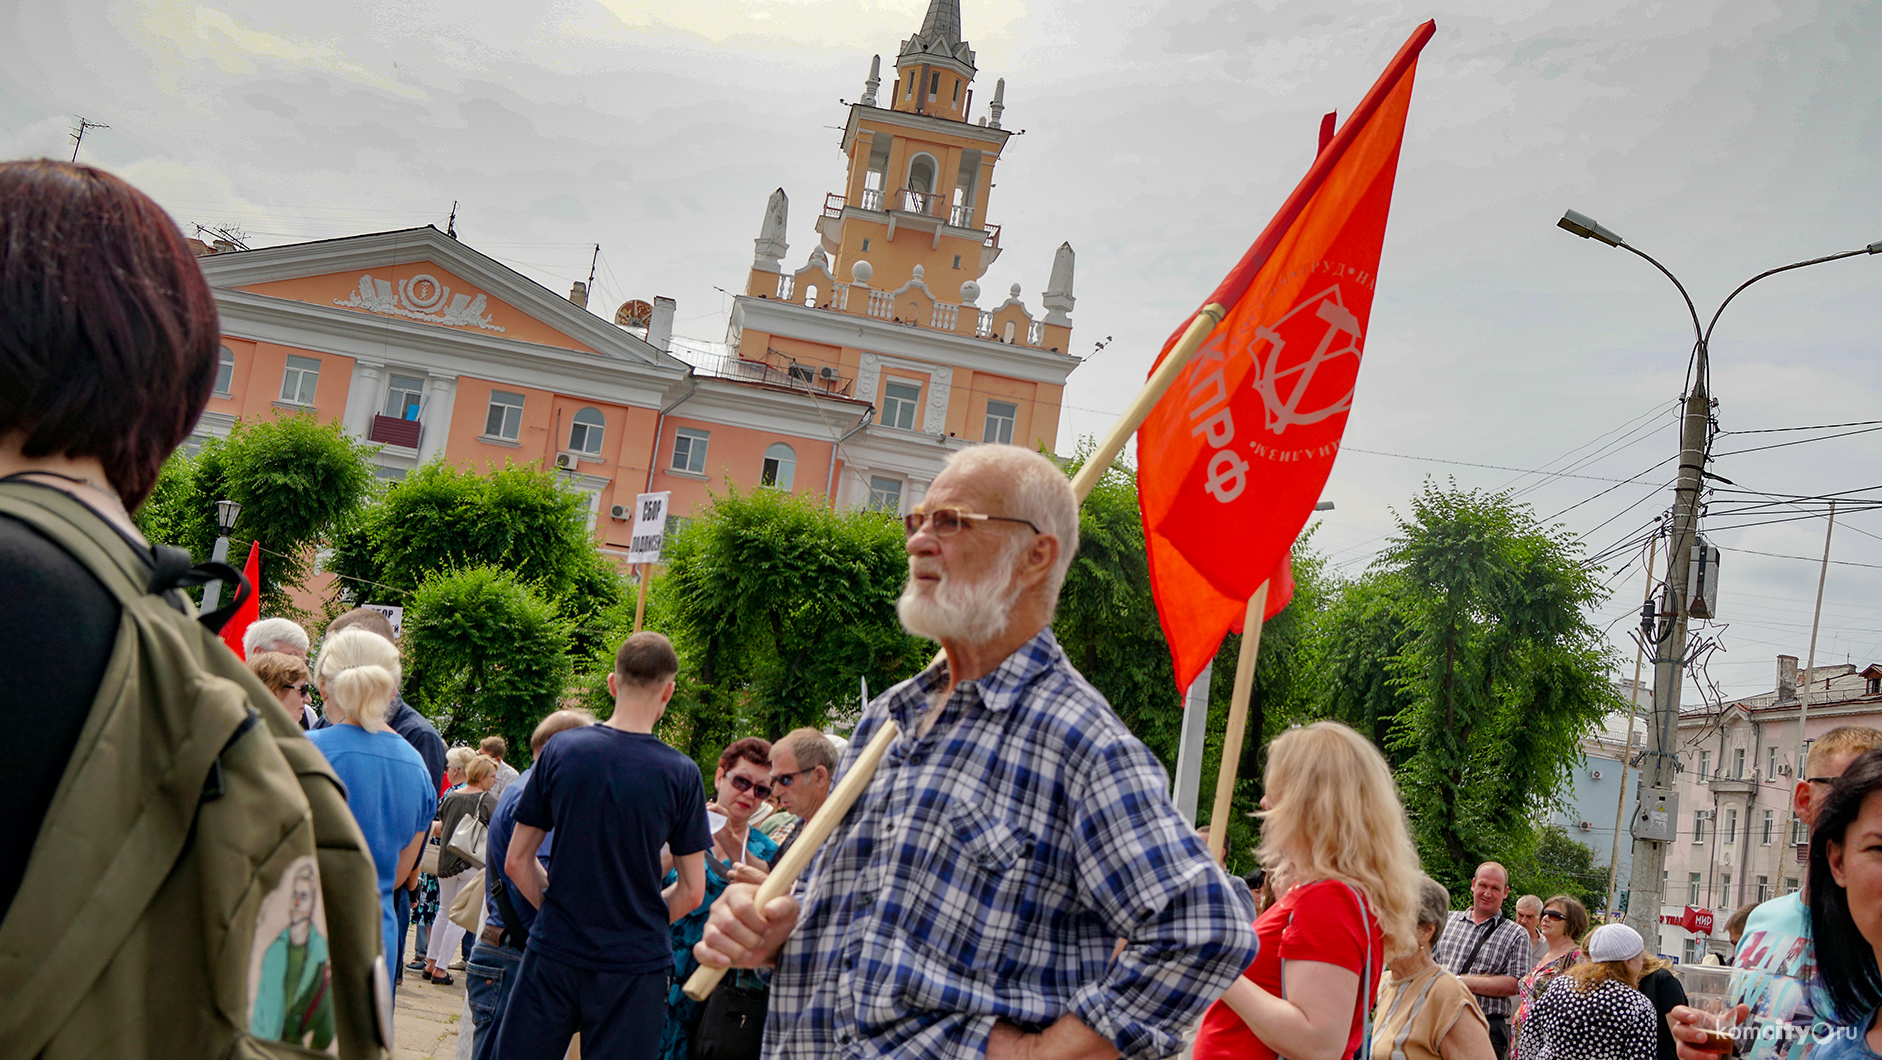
(1656, 823)
(1659, 806)
(1810, 660)
(1633, 712)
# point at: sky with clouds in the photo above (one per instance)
(1724, 137)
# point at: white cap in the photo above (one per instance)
(1614, 942)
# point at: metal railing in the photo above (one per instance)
(739, 369)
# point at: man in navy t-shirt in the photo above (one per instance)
(599, 951)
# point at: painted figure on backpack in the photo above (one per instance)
(290, 983)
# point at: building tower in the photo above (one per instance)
(903, 248)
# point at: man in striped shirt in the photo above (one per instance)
(970, 903)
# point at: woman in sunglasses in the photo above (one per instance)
(740, 784)
(1564, 921)
(287, 677)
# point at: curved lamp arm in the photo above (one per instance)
(1873, 248)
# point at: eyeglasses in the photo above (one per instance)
(763, 791)
(946, 522)
(1554, 914)
(785, 780)
(307, 690)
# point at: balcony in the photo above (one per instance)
(920, 203)
(391, 430)
(793, 376)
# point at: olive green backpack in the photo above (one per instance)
(199, 887)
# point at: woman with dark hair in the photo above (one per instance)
(1846, 908)
(1564, 920)
(108, 340)
(740, 784)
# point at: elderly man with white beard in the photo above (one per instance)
(970, 903)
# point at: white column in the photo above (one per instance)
(440, 399)
(362, 397)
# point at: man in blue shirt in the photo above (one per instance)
(491, 968)
(599, 951)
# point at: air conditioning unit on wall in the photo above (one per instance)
(567, 461)
(620, 513)
(828, 373)
(1586, 826)
(1594, 774)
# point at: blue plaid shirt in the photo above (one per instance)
(987, 872)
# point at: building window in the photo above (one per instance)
(1764, 889)
(780, 467)
(1770, 826)
(1770, 762)
(1873, 687)
(1695, 951)
(1725, 890)
(1731, 826)
(934, 84)
(299, 380)
(1800, 835)
(1000, 417)
(689, 450)
(898, 405)
(957, 90)
(585, 432)
(225, 371)
(885, 494)
(404, 397)
(1692, 888)
(1790, 885)
(1699, 826)
(1738, 763)
(505, 419)
(909, 92)
(957, 261)
(865, 245)
(1705, 765)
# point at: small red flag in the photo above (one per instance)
(250, 611)
(1233, 458)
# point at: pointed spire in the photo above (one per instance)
(998, 106)
(875, 80)
(770, 246)
(1058, 297)
(942, 25)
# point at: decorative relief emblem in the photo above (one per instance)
(420, 298)
(1312, 391)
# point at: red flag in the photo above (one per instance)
(1233, 458)
(250, 611)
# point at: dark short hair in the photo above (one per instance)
(752, 749)
(1575, 913)
(1735, 926)
(494, 746)
(1846, 967)
(365, 618)
(108, 330)
(646, 658)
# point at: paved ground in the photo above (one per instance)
(425, 1020)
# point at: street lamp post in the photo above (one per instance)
(1655, 822)
(226, 514)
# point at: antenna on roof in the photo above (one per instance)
(596, 260)
(450, 226)
(78, 135)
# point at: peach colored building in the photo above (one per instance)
(853, 390)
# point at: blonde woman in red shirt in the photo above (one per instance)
(1331, 815)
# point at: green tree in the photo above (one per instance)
(1559, 865)
(490, 654)
(779, 606)
(1466, 651)
(519, 519)
(297, 480)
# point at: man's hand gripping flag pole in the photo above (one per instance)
(1181, 351)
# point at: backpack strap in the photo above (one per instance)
(128, 575)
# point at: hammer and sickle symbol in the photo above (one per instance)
(1283, 411)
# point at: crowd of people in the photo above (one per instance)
(196, 862)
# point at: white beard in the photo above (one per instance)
(973, 614)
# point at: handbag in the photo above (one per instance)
(467, 909)
(428, 861)
(731, 1024)
(467, 840)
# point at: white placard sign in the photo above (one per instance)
(394, 614)
(650, 527)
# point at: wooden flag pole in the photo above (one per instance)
(640, 602)
(1238, 721)
(784, 874)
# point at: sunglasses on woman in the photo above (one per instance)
(763, 791)
(1554, 914)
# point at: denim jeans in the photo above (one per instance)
(488, 976)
